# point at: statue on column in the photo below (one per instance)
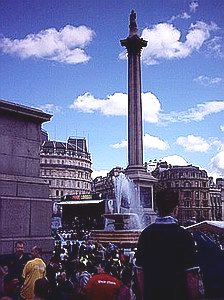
(133, 25)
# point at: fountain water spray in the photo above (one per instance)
(127, 207)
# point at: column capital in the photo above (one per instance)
(134, 44)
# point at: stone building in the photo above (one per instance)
(66, 166)
(217, 198)
(192, 185)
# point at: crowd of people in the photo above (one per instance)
(169, 263)
(77, 270)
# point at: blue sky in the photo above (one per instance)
(65, 58)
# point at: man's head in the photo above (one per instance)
(19, 248)
(100, 266)
(36, 252)
(41, 288)
(166, 201)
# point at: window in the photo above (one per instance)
(187, 194)
(204, 184)
(168, 184)
(187, 204)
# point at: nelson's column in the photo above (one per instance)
(135, 169)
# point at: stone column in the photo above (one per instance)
(135, 169)
(134, 45)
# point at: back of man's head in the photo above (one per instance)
(36, 252)
(166, 201)
(41, 288)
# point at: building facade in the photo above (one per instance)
(193, 187)
(216, 198)
(66, 166)
(105, 185)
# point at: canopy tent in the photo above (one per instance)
(77, 202)
(208, 226)
(83, 212)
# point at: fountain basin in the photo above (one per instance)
(122, 238)
(121, 220)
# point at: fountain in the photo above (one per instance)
(125, 212)
(122, 223)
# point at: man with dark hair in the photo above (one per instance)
(18, 260)
(166, 262)
(33, 270)
(41, 289)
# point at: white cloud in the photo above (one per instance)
(183, 15)
(215, 47)
(114, 105)
(122, 144)
(208, 81)
(203, 110)
(222, 128)
(151, 107)
(193, 143)
(149, 142)
(97, 173)
(197, 113)
(175, 160)
(193, 6)
(50, 108)
(65, 45)
(117, 105)
(164, 41)
(217, 164)
(154, 142)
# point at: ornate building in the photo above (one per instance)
(66, 166)
(105, 185)
(192, 185)
(216, 200)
